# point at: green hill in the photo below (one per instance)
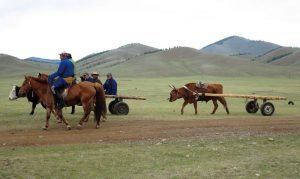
(12, 66)
(188, 61)
(113, 57)
(137, 60)
(285, 56)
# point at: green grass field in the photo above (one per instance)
(232, 157)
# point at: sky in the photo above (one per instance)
(44, 28)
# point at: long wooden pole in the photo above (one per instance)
(246, 96)
(125, 97)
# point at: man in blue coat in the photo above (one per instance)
(110, 85)
(61, 78)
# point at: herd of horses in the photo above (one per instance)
(91, 96)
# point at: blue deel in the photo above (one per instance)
(110, 87)
(65, 69)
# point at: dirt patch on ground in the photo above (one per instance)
(122, 131)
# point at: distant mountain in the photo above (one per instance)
(12, 66)
(239, 46)
(42, 60)
(113, 57)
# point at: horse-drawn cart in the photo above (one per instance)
(118, 106)
(252, 106)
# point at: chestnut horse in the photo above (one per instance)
(91, 96)
(189, 92)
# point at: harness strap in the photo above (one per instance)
(194, 93)
(29, 82)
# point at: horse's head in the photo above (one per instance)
(174, 95)
(13, 95)
(26, 86)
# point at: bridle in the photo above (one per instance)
(29, 82)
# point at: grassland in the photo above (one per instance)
(250, 157)
(231, 157)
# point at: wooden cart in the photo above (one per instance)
(252, 106)
(118, 106)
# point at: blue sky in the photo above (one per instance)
(43, 28)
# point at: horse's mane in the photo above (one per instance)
(39, 80)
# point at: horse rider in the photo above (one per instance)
(69, 56)
(62, 77)
(95, 76)
(86, 77)
(110, 85)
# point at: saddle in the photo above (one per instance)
(201, 85)
(65, 91)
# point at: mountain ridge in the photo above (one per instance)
(239, 46)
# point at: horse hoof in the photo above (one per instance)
(103, 120)
(45, 128)
(97, 126)
(68, 127)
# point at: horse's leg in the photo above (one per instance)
(58, 120)
(183, 105)
(103, 117)
(215, 105)
(87, 111)
(48, 114)
(86, 119)
(60, 115)
(33, 108)
(195, 106)
(73, 109)
(88, 116)
(223, 101)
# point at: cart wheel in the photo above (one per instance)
(252, 107)
(291, 103)
(121, 108)
(267, 109)
(111, 107)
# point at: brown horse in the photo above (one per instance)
(91, 97)
(189, 92)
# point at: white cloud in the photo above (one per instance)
(45, 27)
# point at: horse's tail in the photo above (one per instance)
(100, 107)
